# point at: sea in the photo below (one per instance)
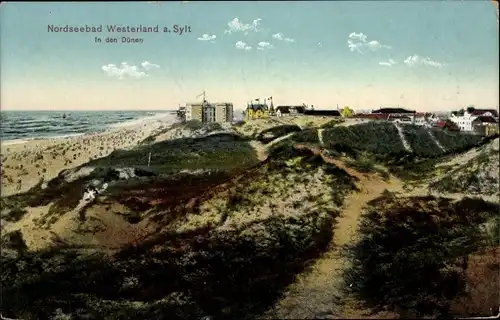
(20, 126)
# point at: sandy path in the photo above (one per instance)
(320, 136)
(402, 137)
(317, 294)
(279, 139)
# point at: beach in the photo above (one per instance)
(26, 162)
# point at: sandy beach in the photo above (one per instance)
(25, 163)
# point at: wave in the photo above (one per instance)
(44, 125)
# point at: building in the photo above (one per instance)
(282, 111)
(400, 118)
(485, 125)
(371, 116)
(289, 110)
(484, 112)
(194, 111)
(257, 111)
(324, 113)
(399, 115)
(209, 112)
(224, 112)
(431, 119)
(464, 118)
(393, 111)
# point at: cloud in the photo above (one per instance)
(125, 70)
(207, 37)
(416, 60)
(264, 45)
(388, 63)
(359, 42)
(240, 45)
(353, 46)
(148, 65)
(281, 37)
(358, 37)
(236, 25)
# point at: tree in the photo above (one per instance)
(451, 126)
(347, 112)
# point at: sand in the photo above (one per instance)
(25, 164)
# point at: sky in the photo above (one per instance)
(423, 55)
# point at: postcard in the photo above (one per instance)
(249, 159)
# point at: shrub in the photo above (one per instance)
(15, 214)
(193, 124)
(379, 138)
(309, 135)
(363, 165)
(456, 141)
(331, 124)
(412, 252)
(421, 141)
(222, 150)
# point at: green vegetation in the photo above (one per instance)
(192, 125)
(409, 169)
(456, 141)
(230, 273)
(363, 165)
(413, 252)
(232, 233)
(478, 176)
(273, 133)
(14, 214)
(421, 142)
(309, 135)
(332, 123)
(376, 137)
(225, 151)
(163, 197)
(382, 138)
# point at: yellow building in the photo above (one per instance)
(492, 129)
(257, 111)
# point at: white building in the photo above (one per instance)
(419, 119)
(464, 119)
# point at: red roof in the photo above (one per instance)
(382, 116)
(440, 123)
(485, 119)
(478, 112)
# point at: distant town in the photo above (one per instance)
(472, 120)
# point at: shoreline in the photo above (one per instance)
(160, 116)
(26, 162)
